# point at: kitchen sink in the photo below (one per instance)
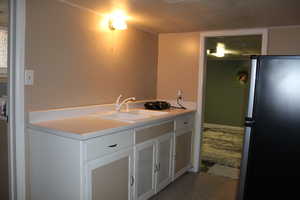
(147, 112)
(131, 116)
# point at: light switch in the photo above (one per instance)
(29, 77)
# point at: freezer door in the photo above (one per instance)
(273, 159)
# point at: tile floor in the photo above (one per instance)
(199, 187)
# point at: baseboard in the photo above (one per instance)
(181, 172)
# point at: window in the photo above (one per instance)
(3, 51)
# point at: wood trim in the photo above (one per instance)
(16, 66)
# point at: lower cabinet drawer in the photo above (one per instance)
(184, 122)
(150, 132)
(101, 146)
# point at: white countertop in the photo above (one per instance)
(90, 125)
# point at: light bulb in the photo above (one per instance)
(220, 50)
(117, 20)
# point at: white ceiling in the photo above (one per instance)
(163, 16)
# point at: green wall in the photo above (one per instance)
(225, 99)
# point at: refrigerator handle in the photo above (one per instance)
(249, 122)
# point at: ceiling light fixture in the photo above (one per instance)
(219, 51)
(117, 20)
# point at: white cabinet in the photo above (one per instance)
(66, 169)
(182, 152)
(185, 122)
(132, 164)
(153, 159)
(54, 167)
(153, 166)
(164, 159)
(145, 169)
(110, 177)
(101, 146)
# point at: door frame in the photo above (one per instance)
(202, 79)
(16, 113)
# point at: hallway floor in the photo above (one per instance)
(199, 187)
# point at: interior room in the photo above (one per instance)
(143, 99)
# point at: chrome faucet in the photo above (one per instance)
(119, 105)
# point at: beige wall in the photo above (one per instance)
(284, 41)
(76, 63)
(178, 59)
(178, 65)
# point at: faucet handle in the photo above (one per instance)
(119, 98)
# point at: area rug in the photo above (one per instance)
(225, 171)
(222, 145)
(221, 150)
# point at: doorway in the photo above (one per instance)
(4, 172)
(200, 114)
(226, 97)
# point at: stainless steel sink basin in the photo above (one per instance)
(131, 116)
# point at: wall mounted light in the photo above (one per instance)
(117, 20)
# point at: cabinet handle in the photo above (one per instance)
(185, 122)
(113, 145)
(131, 181)
(158, 166)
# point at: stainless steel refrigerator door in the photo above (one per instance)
(3, 160)
(273, 159)
(247, 130)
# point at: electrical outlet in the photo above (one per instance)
(29, 77)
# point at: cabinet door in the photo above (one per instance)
(110, 177)
(145, 170)
(164, 162)
(183, 147)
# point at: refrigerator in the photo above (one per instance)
(270, 167)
